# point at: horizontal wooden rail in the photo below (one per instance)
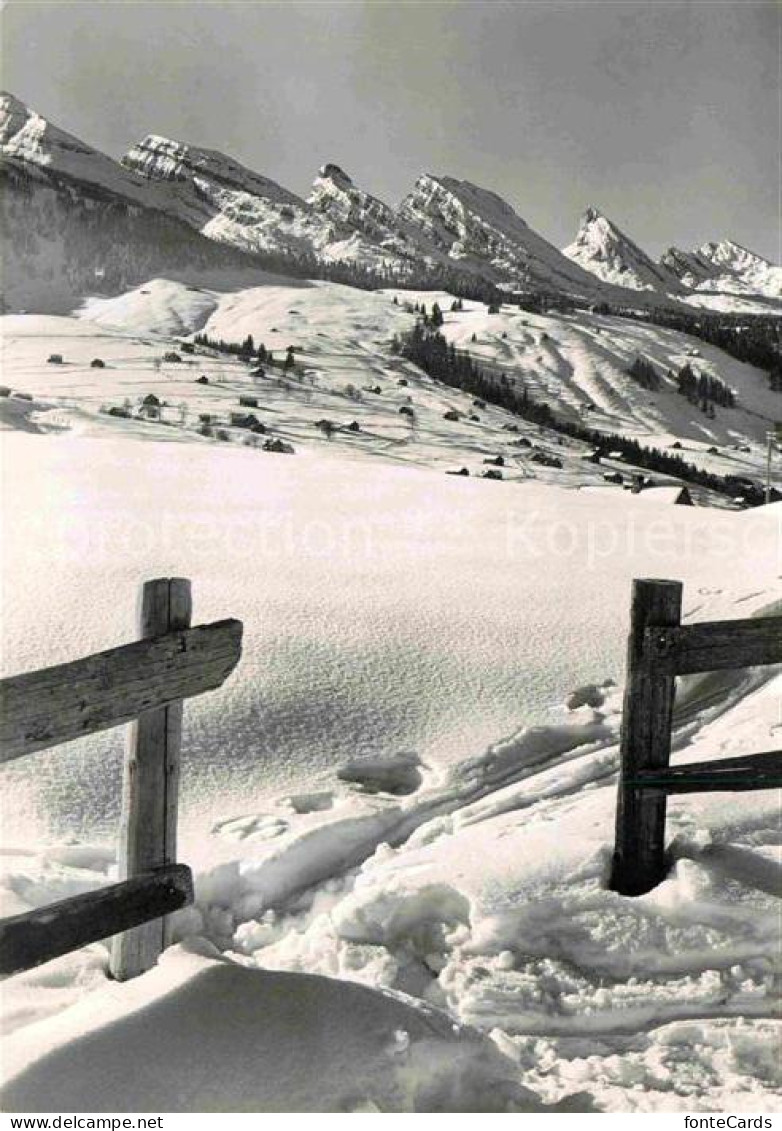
(38, 936)
(753, 771)
(44, 708)
(713, 646)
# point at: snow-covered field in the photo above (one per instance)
(347, 374)
(409, 781)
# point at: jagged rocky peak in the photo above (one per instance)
(725, 265)
(164, 159)
(599, 237)
(76, 222)
(233, 204)
(688, 266)
(593, 220)
(31, 143)
(714, 257)
(335, 193)
(477, 228)
(729, 253)
(400, 235)
(485, 201)
(336, 197)
(447, 205)
(462, 219)
(14, 115)
(27, 135)
(159, 158)
(332, 172)
(603, 249)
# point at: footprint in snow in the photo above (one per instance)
(590, 695)
(316, 802)
(397, 775)
(262, 826)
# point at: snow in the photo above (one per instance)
(759, 275)
(399, 809)
(209, 191)
(160, 158)
(442, 221)
(492, 905)
(727, 268)
(232, 204)
(600, 247)
(27, 137)
(499, 911)
(660, 495)
(160, 306)
(417, 612)
(284, 1042)
(577, 363)
(475, 224)
(724, 276)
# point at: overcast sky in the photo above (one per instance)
(665, 115)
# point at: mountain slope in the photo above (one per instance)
(724, 266)
(473, 226)
(28, 140)
(74, 222)
(602, 248)
(335, 196)
(77, 222)
(232, 204)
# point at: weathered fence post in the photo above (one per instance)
(150, 783)
(639, 858)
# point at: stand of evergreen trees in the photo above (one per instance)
(704, 390)
(755, 339)
(540, 302)
(412, 276)
(644, 374)
(775, 376)
(246, 349)
(428, 349)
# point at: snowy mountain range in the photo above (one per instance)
(234, 205)
(74, 221)
(724, 266)
(442, 224)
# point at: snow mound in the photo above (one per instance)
(205, 1034)
(160, 306)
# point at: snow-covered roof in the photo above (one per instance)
(668, 494)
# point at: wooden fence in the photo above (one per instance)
(143, 683)
(659, 649)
